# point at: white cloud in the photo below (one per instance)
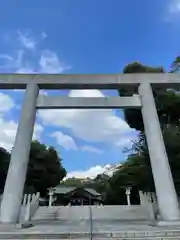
(174, 6)
(47, 62)
(5, 61)
(38, 130)
(68, 143)
(26, 40)
(15, 62)
(8, 132)
(94, 171)
(88, 148)
(43, 35)
(6, 103)
(24, 70)
(125, 142)
(8, 128)
(50, 63)
(23, 61)
(64, 140)
(89, 173)
(171, 11)
(91, 125)
(19, 61)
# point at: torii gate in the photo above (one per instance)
(13, 191)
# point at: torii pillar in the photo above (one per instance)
(165, 190)
(14, 186)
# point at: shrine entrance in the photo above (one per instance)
(166, 195)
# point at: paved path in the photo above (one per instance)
(99, 226)
(101, 230)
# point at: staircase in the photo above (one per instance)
(98, 212)
(90, 223)
(44, 214)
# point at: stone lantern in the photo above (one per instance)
(128, 194)
(50, 193)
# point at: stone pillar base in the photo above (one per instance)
(10, 226)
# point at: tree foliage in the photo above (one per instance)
(44, 168)
(137, 169)
(175, 66)
(133, 116)
(4, 163)
(74, 182)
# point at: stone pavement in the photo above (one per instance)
(80, 230)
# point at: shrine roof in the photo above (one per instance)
(60, 189)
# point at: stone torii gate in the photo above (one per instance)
(13, 191)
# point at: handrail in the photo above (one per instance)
(90, 224)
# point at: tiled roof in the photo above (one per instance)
(60, 189)
(63, 189)
(92, 191)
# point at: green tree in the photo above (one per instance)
(167, 101)
(175, 66)
(133, 116)
(74, 182)
(137, 167)
(171, 135)
(4, 163)
(44, 169)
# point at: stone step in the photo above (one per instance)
(45, 213)
(104, 212)
(161, 235)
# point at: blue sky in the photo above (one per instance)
(79, 36)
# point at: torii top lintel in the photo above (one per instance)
(87, 81)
